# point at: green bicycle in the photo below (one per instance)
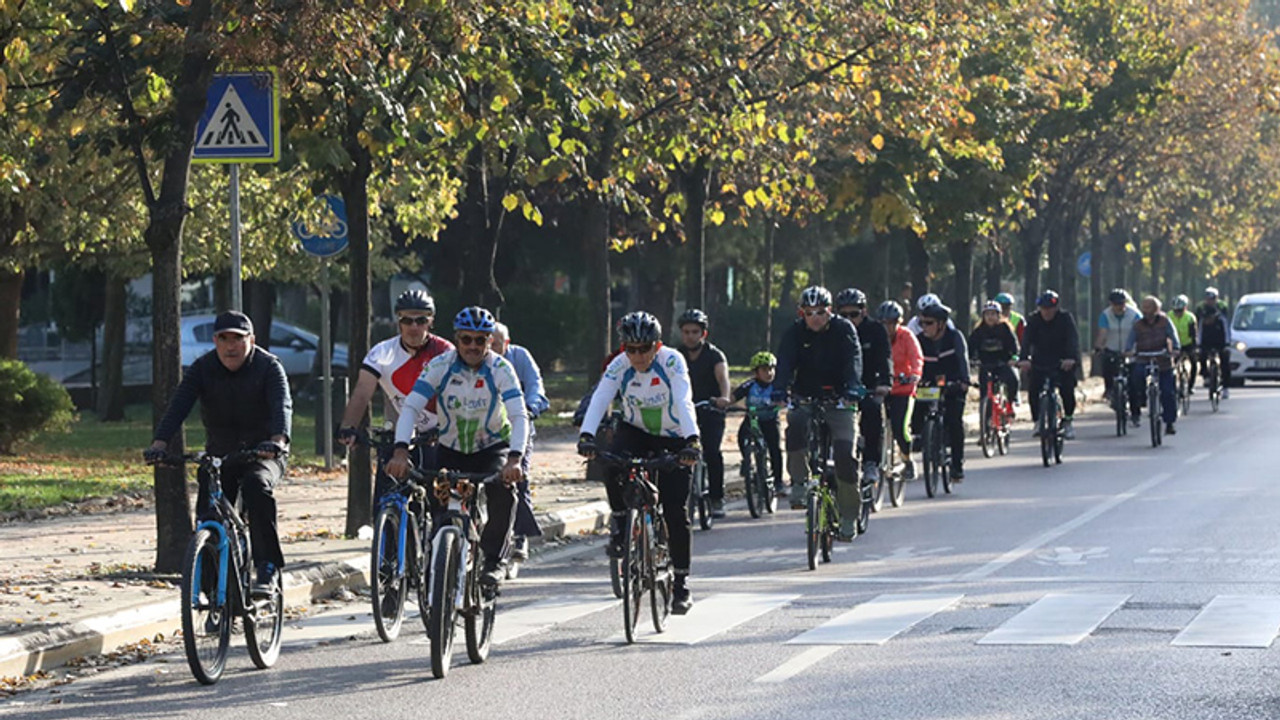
(822, 513)
(755, 466)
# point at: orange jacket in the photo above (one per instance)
(907, 360)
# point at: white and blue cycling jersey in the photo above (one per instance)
(658, 401)
(477, 408)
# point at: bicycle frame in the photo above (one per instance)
(231, 555)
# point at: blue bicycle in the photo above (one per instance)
(398, 560)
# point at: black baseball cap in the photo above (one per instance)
(233, 321)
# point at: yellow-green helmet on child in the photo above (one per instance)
(764, 358)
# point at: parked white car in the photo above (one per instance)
(296, 348)
(1255, 338)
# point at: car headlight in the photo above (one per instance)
(1241, 346)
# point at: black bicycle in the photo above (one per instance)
(1186, 361)
(399, 558)
(217, 577)
(892, 470)
(646, 560)
(1213, 378)
(934, 448)
(822, 512)
(699, 504)
(1118, 366)
(1152, 369)
(756, 479)
(1049, 425)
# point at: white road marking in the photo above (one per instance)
(1234, 621)
(1198, 458)
(1052, 534)
(799, 664)
(876, 621)
(521, 621)
(708, 618)
(1056, 619)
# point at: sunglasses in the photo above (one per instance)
(851, 314)
(819, 312)
(419, 320)
(472, 339)
(638, 349)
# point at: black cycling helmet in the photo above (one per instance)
(638, 328)
(693, 316)
(415, 300)
(851, 296)
(815, 296)
(1118, 297)
(1047, 299)
(889, 310)
(937, 312)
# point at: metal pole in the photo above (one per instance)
(237, 296)
(326, 366)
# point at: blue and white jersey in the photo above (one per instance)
(658, 401)
(477, 408)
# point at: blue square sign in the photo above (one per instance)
(241, 121)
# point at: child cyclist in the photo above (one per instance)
(758, 393)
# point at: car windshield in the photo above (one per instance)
(1257, 317)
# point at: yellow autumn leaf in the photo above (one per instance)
(510, 202)
(878, 142)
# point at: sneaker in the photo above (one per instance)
(957, 472)
(1135, 419)
(681, 598)
(1068, 431)
(848, 530)
(616, 547)
(780, 490)
(1169, 429)
(266, 581)
(520, 549)
(909, 470)
(717, 508)
(1225, 393)
(797, 496)
(871, 473)
(493, 574)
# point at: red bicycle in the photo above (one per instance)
(995, 413)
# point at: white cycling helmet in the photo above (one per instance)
(927, 300)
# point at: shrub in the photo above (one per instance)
(30, 403)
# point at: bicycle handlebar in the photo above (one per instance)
(665, 461)
(205, 458)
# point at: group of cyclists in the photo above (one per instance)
(469, 404)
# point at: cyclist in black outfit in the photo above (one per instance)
(244, 402)
(851, 304)
(946, 355)
(1052, 345)
(994, 345)
(709, 376)
(1215, 337)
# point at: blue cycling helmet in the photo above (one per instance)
(1048, 299)
(1005, 298)
(475, 319)
(889, 310)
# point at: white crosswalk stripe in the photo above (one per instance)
(876, 621)
(544, 614)
(1056, 619)
(1234, 621)
(710, 617)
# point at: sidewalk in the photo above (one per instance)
(79, 584)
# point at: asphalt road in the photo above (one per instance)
(1129, 582)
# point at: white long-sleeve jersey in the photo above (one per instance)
(477, 408)
(658, 401)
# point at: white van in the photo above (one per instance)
(1255, 338)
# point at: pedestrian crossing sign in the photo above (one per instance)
(241, 121)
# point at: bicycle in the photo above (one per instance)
(891, 471)
(699, 504)
(1213, 377)
(1153, 395)
(646, 561)
(1185, 357)
(995, 414)
(456, 564)
(1050, 422)
(756, 479)
(934, 448)
(822, 512)
(216, 580)
(1118, 365)
(401, 532)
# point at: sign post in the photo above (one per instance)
(324, 240)
(241, 124)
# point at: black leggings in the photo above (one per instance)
(673, 486)
(871, 426)
(499, 499)
(711, 430)
(898, 406)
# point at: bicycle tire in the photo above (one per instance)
(865, 508)
(478, 619)
(422, 574)
(878, 492)
(264, 647)
(1153, 410)
(944, 464)
(615, 576)
(750, 485)
(813, 527)
(1122, 413)
(444, 580)
(633, 574)
(1058, 443)
(1215, 387)
(830, 520)
(986, 429)
(662, 573)
(764, 481)
(705, 521)
(930, 476)
(387, 592)
(208, 659)
(1048, 412)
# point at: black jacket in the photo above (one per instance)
(817, 360)
(245, 407)
(993, 345)
(947, 357)
(874, 342)
(1046, 344)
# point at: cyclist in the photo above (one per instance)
(945, 356)
(758, 392)
(709, 376)
(1152, 333)
(1184, 322)
(1215, 335)
(851, 304)
(1052, 344)
(536, 403)
(394, 365)
(484, 426)
(1114, 325)
(244, 401)
(908, 364)
(925, 301)
(820, 355)
(993, 344)
(1011, 316)
(658, 417)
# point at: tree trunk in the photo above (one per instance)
(111, 395)
(693, 184)
(656, 285)
(918, 260)
(260, 306)
(994, 270)
(10, 312)
(1032, 249)
(961, 252)
(596, 234)
(1156, 253)
(770, 228)
(788, 296)
(354, 184)
(479, 286)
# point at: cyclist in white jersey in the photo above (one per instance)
(657, 417)
(483, 425)
(394, 365)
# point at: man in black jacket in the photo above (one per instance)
(1051, 348)
(819, 358)
(851, 304)
(946, 357)
(244, 403)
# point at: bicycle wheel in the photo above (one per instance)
(1058, 442)
(206, 629)
(829, 523)
(479, 615)
(422, 574)
(1048, 413)
(930, 462)
(1002, 432)
(445, 557)
(705, 521)
(386, 589)
(662, 573)
(615, 576)
(633, 574)
(1153, 409)
(944, 459)
(764, 484)
(986, 427)
(866, 506)
(263, 625)
(750, 485)
(1122, 413)
(813, 525)
(1184, 393)
(891, 470)
(1215, 390)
